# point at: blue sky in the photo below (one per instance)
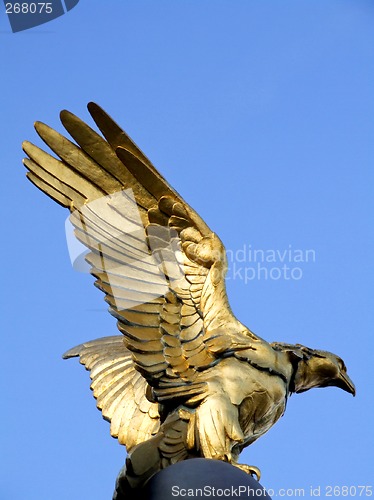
(261, 114)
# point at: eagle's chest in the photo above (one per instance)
(259, 396)
(262, 406)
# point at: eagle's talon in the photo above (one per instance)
(250, 469)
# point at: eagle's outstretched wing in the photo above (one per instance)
(120, 390)
(161, 267)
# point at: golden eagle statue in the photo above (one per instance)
(185, 378)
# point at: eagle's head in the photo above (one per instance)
(314, 368)
(322, 369)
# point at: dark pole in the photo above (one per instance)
(198, 478)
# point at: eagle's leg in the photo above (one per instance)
(219, 431)
(217, 428)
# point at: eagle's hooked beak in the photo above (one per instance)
(345, 383)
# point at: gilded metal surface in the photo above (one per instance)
(185, 378)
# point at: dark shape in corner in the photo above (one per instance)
(70, 4)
